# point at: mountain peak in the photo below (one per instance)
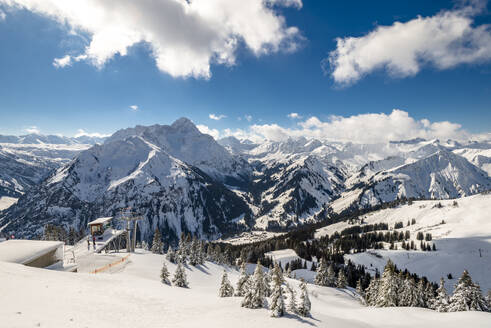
(185, 125)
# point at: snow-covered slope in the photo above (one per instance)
(135, 297)
(463, 240)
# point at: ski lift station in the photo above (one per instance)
(99, 226)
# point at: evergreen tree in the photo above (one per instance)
(341, 282)
(164, 274)
(267, 282)
(421, 294)
(241, 288)
(410, 295)
(359, 291)
(488, 298)
(387, 294)
(157, 246)
(304, 306)
(442, 300)
(254, 297)
(429, 296)
(467, 296)
(321, 276)
(201, 253)
(182, 250)
(277, 301)
(180, 279)
(226, 289)
(292, 301)
(194, 252)
(331, 276)
(171, 255)
(289, 272)
(371, 293)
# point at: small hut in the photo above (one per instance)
(98, 226)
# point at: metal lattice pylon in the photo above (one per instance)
(129, 216)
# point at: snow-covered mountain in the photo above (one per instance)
(183, 140)
(183, 180)
(25, 160)
(139, 168)
(25, 165)
(39, 139)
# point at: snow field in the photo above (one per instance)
(462, 242)
(135, 297)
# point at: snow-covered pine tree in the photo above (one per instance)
(268, 276)
(289, 272)
(360, 292)
(201, 252)
(304, 305)
(258, 286)
(145, 245)
(254, 296)
(241, 287)
(164, 274)
(422, 294)
(182, 250)
(180, 279)
(467, 296)
(387, 294)
(277, 302)
(292, 300)
(321, 276)
(157, 242)
(429, 296)
(226, 289)
(331, 276)
(194, 252)
(371, 293)
(171, 255)
(488, 298)
(441, 301)
(341, 282)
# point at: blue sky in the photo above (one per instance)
(262, 87)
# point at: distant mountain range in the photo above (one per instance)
(37, 139)
(181, 180)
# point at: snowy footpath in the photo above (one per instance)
(134, 297)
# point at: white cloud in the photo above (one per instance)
(32, 130)
(83, 133)
(67, 60)
(206, 130)
(184, 37)
(448, 39)
(286, 3)
(62, 62)
(216, 117)
(134, 108)
(248, 118)
(294, 116)
(363, 128)
(3, 16)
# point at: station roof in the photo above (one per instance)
(100, 221)
(24, 251)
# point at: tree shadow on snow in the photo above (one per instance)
(201, 268)
(301, 319)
